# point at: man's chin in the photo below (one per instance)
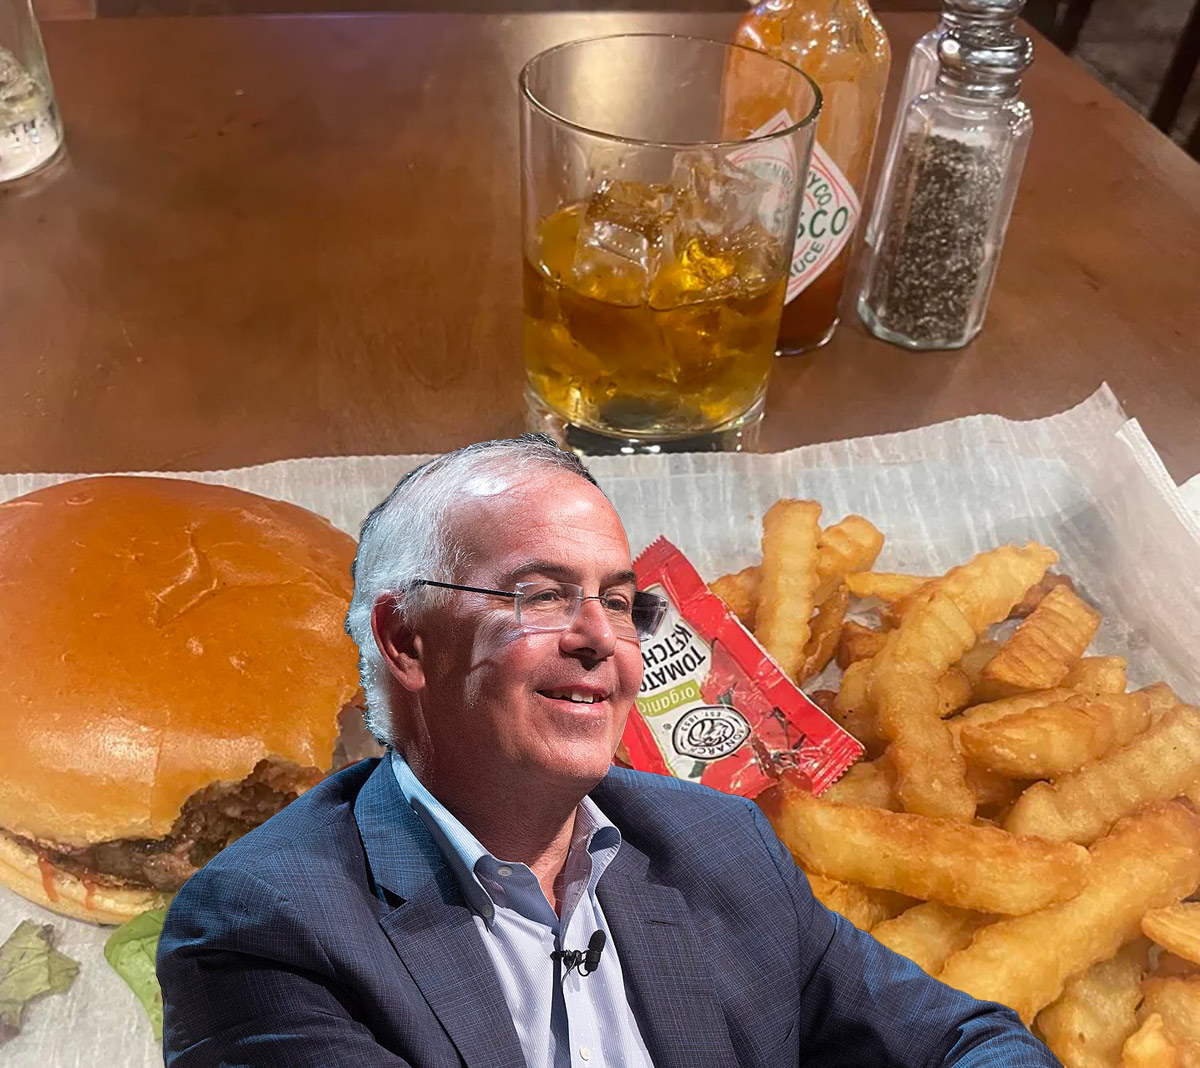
(576, 773)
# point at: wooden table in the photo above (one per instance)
(297, 236)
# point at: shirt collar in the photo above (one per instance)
(594, 832)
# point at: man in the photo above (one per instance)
(492, 893)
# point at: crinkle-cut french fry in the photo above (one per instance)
(888, 586)
(787, 581)
(975, 659)
(862, 906)
(1151, 1047)
(845, 547)
(1035, 594)
(855, 691)
(739, 591)
(928, 933)
(873, 781)
(869, 782)
(825, 628)
(954, 691)
(931, 775)
(1097, 674)
(1051, 740)
(1024, 962)
(1159, 764)
(991, 711)
(1088, 1025)
(951, 691)
(934, 634)
(1176, 928)
(863, 726)
(852, 707)
(1177, 1001)
(1162, 699)
(892, 614)
(985, 690)
(968, 865)
(1043, 648)
(858, 642)
(930, 771)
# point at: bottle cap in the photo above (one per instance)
(984, 57)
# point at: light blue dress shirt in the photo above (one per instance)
(570, 1021)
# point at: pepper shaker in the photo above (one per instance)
(944, 203)
(921, 72)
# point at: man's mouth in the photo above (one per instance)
(577, 697)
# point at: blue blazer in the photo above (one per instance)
(335, 934)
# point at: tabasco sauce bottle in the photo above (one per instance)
(842, 47)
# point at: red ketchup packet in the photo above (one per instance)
(714, 707)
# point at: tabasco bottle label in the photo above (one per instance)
(828, 214)
(774, 163)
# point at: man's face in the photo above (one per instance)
(495, 704)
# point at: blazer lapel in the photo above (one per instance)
(431, 927)
(667, 978)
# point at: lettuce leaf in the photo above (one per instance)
(30, 966)
(130, 950)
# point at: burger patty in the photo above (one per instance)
(211, 819)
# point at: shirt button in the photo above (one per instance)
(585, 1053)
(504, 870)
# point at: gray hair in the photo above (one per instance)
(405, 539)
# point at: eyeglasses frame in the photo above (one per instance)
(660, 602)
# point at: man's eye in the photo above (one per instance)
(544, 596)
(618, 603)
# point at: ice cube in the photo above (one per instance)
(696, 267)
(713, 246)
(696, 271)
(714, 195)
(617, 247)
(20, 92)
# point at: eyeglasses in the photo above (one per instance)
(555, 606)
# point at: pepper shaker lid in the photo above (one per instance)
(986, 56)
(995, 9)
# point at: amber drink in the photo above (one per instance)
(655, 269)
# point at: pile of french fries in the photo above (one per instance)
(1022, 827)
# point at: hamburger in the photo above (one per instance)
(173, 671)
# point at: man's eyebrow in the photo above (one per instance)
(564, 573)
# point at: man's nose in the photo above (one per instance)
(592, 631)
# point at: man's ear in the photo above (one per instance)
(397, 642)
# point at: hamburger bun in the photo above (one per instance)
(157, 636)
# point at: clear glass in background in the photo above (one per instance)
(922, 70)
(30, 129)
(659, 203)
(944, 205)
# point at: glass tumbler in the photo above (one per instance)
(30, 130)
(660, 182)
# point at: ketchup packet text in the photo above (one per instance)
(714, 707)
